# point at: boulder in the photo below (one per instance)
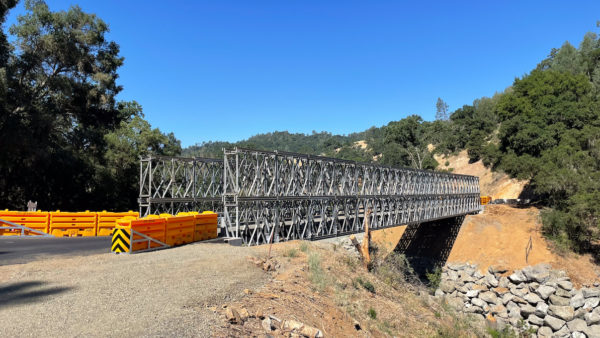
(532, 298)
(579, 313)
(538, 273)
(503, 282)
(497, 269)
(479, 287)
(593, 331)
(565, 313)
(489, 297)
(518, 292)
(563, 332)
(544, 332)
(473, 309)
(472, 293)
(535, 320)
(563, 293)
(533, 286)
(517, 277)
(541, 310)
(591, 303)
(545, 291)
(578, 300)
(478, 302)
(439, 293)
(507, 297)
(491, 280)
(577, 325)
(526, 310)
(448, 286)
(477, 274)
(553, 322)
(578, 334)
(515, 313)
(591, 292)
(592, 318)
(456, 266)
(559, 301)
(466, 279)
(565, 285)
(452, 275)
(501, 291)
(499, 310)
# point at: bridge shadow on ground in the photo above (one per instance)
(428, 245)
(27, 292)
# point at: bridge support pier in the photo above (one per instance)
(427, 245)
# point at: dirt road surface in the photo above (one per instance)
(162, 293)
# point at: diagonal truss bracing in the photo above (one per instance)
(275, 196)
(265, 196)
(174, 184)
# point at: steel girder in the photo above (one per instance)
(276, 196)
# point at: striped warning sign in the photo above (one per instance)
(120, 241)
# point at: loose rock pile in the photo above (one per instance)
(535, 298)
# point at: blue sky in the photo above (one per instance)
(226, 70)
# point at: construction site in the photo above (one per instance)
(299, 169)
(279, 251)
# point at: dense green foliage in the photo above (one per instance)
(65, 140)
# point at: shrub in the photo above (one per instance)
(372, 313)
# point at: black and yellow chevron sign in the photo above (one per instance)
(120, 241)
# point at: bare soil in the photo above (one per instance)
(495, 184)
(334, 301)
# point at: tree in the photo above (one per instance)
(62, 133)
(406, 144)
(441, 110)
(134, 138)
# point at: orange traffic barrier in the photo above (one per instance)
(108, 220)
(36, 220)
(154, 227)
(72, 224)
(205, 224)
(180, 229)
(486, 200)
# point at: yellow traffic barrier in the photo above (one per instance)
(108, 220)
(148, 233)
(205, 224)
(72, 224)
(485, 200)
(179, 229)
(36, 220)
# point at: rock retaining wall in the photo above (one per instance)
(535, 298)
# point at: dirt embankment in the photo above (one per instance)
(512, 237)
(318, 285)
(497, 185)
(508, 236)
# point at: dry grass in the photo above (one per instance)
(333, 292)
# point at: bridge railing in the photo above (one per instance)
(273, 196)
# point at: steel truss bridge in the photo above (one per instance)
(265, 196)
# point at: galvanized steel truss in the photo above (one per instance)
(275, 196)
(176, 184)
(265, 196)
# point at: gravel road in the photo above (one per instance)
(161, 293)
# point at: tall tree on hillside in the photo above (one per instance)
(60, 102)
(441, 110)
